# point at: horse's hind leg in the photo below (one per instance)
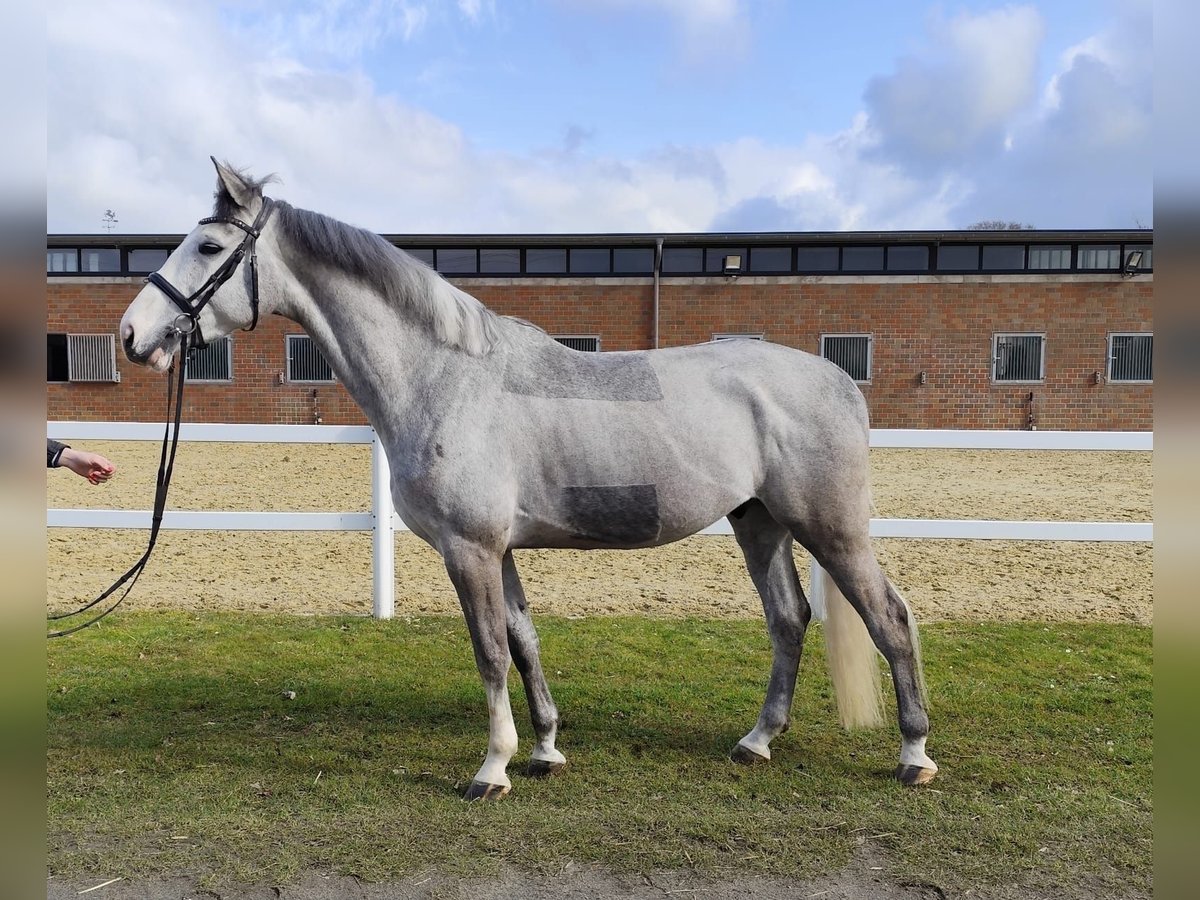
(767, 546)
(850, 560)
(476, 574)
(524, 646)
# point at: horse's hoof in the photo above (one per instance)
(914, 776)
(544, 768)
(747, 757)
(480, 790)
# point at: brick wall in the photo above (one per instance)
(940, 325)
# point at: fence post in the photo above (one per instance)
(383, 557)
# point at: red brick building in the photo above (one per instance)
(1045, 329)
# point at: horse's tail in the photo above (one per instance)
(849, 653)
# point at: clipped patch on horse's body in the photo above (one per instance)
(613, 514)
(557, 373)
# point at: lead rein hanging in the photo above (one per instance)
(166, 465)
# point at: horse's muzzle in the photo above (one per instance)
(130, 354)
(158, 357)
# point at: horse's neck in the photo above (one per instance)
(388, 362)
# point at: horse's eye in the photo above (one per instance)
(208, 248)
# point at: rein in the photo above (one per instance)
(189, 315)
(166, 465)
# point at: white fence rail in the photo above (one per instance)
(383, 525)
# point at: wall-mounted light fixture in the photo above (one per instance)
(732, 265)
(1133, 262)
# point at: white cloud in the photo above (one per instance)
(828, 183)
(339, 145)
(960, 94)
(132, 123)
(1082, 157)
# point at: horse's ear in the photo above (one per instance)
(233, 185)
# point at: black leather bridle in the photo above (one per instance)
(189, 337)
(191, 306)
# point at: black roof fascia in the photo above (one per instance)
(1039, 235)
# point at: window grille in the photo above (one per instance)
(305, 361)
(586, 343)
(1131, 357)
(92, 357)
(213, 363)
(852, 352)
(1018, 357)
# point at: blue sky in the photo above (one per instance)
(606, 115)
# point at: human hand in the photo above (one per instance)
(92, 466)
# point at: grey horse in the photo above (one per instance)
(500, 438)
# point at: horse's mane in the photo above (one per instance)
(454, 316)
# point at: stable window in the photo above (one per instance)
(457, 261)
(817, 259)
(1018, 357)
(681, 260)
(81, 357)
(100, 260)
(546, 260)
(1098, 256)
(958, 258)
(57, 369)
(305, 362)
(1131, 357)
(62, 259)
(500, 261)
(146, 260)
(424, 254)
(908, 259)
(588, 343)
(1003, 257)
(1050, 257)
(862, 259)
(770, 259)
(633, 260)
(851, 352)
(589, 261)
(213, 362)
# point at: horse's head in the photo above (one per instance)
(208, 287)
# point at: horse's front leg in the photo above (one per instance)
(476, 574)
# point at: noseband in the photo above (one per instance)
(188, 320)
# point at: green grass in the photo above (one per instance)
(171, 750)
